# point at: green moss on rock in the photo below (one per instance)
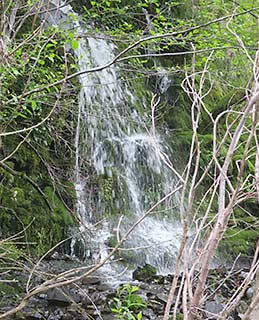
(144, 273)
(239, 241)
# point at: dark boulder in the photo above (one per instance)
(144, 273)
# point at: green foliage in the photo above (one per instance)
(35, 192)
(23, 206)
(9, 251)
(6, 289)
(127, 304)
(241, 236)
(122, 20)
(37, 63)
(239, 241)
(60, 214)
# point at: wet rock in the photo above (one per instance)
(67, 258)
(103, 287)
(144, 273)
(55, 256)
(249, 293)
(91, 280)
(242, 307)
(30, 315)
(158, 279)
(74, 313)
(62, 296)
(149, 313)
(213, 308)
(162, 298)
(107, 316)
(94, 299)
(57, 315)
(157, 307)
(43, 296)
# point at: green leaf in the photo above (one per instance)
(51, 56)
(139, 316)
(33, 105)
(134, 289)
(71, 35)
(50, 45)
(250, 165)
(74, 44)
(15, 71)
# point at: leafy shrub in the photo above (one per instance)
(127, 305)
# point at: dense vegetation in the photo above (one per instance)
(36, 190)
(35, 162)
(208, 51)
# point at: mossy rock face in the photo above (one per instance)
(45, 227)
(239, 241)
(252, 206)
(31, 199)
(242, 234)
(144, 273)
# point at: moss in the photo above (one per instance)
(106, 185)
(239, 241)
(6, 289)
(144, 273)
(24, 207)
(36, 175)
(60, 213)
(251, 206)
(9, 250)
(108, 188)
(112, 242)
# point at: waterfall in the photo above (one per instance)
(121, 167)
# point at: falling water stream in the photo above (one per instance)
(120, 169)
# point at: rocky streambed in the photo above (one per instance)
(93, 298)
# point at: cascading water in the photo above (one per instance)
(120, 167)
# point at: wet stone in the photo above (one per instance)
(107, 316)
(94, 299)
(103, 287)
(144, 273)
(31, 316)
(213, 308)
(149, 313)
(62, 297)
(162, 298)
(91, 280)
